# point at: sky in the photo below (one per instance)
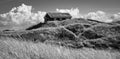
(85, 6)
(25, 13)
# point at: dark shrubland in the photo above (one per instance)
(104, 43)
(89, 34)
(107, 30)
(87, 25)
(75, 28)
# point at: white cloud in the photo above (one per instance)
(22, 15)
(99, 16)
(73, 12)
(116, 17)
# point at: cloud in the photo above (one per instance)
(116, 17)
(99, 16)
(73, 12)
(22, 15)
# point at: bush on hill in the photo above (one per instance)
(89, 34)
(75, 28)
(107, 31)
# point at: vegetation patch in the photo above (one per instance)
(14, 49)
(75, 28)
(107, 30)
(89, 34)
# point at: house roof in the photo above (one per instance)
(59, 15)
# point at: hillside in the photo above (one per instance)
(73, 34)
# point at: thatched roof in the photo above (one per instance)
(59, 15)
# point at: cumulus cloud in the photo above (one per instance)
(116, 17)
(99, 16)
(75, 13)
(22, 15)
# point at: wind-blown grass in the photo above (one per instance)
(14, 49)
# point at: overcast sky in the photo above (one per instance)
(85, 6)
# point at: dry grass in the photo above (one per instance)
(14, 49)
(55, 39)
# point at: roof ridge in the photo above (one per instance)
(58, 14)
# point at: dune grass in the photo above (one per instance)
(14, 49)
(21, 45)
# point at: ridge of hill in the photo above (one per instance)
(72, 33)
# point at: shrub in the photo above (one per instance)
(75, 28)
(115, 30)
(113, 42)
(107, 31)
(104, 43)
(89, 34)
(98, 44)
(87, 25)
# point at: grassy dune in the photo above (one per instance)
(75, 35)
(68, 39)
(14, 49)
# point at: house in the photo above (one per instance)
(57, 16)
(51, 17)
